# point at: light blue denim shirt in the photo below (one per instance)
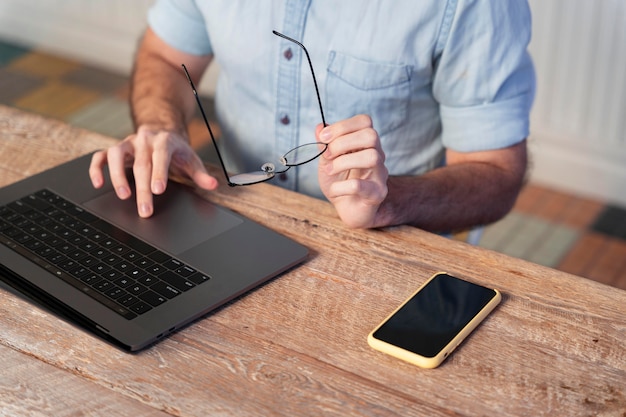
(432, 74)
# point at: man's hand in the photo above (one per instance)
(474, 188)
(352, 174)
(152, 155)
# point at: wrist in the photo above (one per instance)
(158, 113)
(156, 128)
(389, 212)
(153, 129)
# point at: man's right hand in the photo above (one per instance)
(153, 154)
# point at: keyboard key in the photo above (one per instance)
(148, 280)
(127, 300)
(137, 289)
(159, 257)
(185, 271)
(176, 280)
(136, 273)
(124, 282)
(103, 285)
(140, 307)
(20, 207)
(114, 292)
(91, 279)
(165, 289)
(153, 298)
(100, 268)
(198, 278)
(173, 264)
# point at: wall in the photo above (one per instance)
(100, 32)
(578, 139)
(579, 117)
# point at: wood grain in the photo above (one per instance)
(33, 388)
(297, 345)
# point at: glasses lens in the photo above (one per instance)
(249, 178)
(303, 154)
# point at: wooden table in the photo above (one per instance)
(297, 346)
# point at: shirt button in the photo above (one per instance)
(285, 120)
(288, 54)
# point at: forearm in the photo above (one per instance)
(154, 97)
(455, 197)
(160, 95)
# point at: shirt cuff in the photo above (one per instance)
(488, 126)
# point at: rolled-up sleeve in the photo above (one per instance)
(181, 25)
(485, 80)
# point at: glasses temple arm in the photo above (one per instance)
(317, 91)
(206, 122)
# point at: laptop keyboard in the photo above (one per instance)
(124, 273)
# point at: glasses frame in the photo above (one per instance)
(271, 173)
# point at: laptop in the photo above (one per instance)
(87, 256)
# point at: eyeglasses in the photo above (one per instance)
(299, 155)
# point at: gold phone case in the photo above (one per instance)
(431, 362)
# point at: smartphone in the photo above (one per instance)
(433, 321)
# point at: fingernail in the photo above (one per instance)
(144, 210)
(326, 135)
(123, 192)
(158, 187)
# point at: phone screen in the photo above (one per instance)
(430, 319)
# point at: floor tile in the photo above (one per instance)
(529, 233)
(109, 116)
(530, 196)
(610, 263)
(15, 85)
(611, 222)
(497, 235)
(581, 213)
(583, 254)
(9, 52)
(95, 79)
(57, 100)
(556, 241)
(43, 65)
(553, 205)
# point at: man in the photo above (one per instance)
(427, 103)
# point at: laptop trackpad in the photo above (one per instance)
(181, 219)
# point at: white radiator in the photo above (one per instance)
(579, 118)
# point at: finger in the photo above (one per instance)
(367, 159)
(98, 161)
(160, 168)
(142, 170)
(354, 142)
(204, 180)
(189, 164)
(344, 127)
(370, 192)
(116, 158)
(318, 130)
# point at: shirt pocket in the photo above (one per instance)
(378, 89)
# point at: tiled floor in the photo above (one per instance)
(563, 231)
(573, 234)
